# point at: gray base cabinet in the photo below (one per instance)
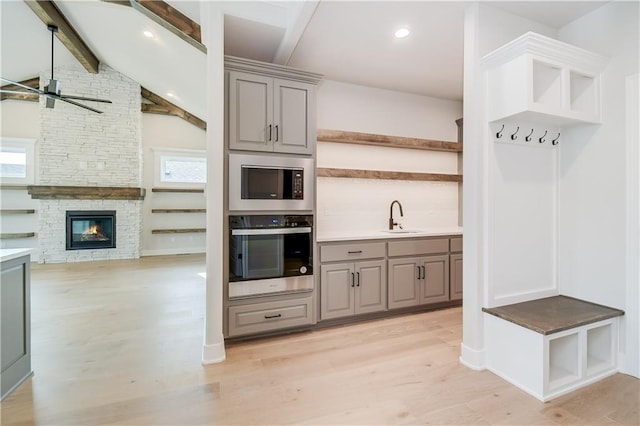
(269, 316)
(418, 280)
(352, 288)
(15, 351)
(455, 277)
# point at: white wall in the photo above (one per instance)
(593, 184)
(486, 173)
(161, 131)
(19, 119)
(345, 204)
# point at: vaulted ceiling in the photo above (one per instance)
(346, 41)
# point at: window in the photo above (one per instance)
(17, 160)
(180, 168)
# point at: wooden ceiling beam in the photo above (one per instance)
(26, 95)
(163, 106)
(49, 13)
(172, 19)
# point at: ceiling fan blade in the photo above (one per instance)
(82, 98)
(38, 91)
(75, 103)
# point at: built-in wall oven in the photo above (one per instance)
(268, 182)
(270, 254)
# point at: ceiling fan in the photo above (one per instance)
(52, 90)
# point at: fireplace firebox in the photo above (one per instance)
(91, 229)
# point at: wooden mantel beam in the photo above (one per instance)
(49, 13)
(163, 106)
(26, 95)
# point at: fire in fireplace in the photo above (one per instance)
(91, 229)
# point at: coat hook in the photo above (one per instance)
(528, 137)
(541, 140)
(555, 141)
(513, 136)
(499, 134)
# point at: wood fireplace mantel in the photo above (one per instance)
(85, 193)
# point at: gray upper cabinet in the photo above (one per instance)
(270, 114)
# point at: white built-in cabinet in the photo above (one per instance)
(535, 87)
(539, 79)
(270, 108)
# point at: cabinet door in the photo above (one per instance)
(250, 112)
(293, 129)
(434, 285)
(337, 290)
(371, 287)
(455, 286)
(403, 282)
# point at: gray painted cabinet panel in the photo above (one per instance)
(15, 355)
(455, 278)
(268, 316)
(435, 279)
(403, 282)
(292, 105)
(371, 286)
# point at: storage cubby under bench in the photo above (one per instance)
(551, 346)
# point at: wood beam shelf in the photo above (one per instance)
(14, 187)
(16, 235)
(17, 211)
(379, 174)
(178, 210)
(185, 190)
(85, 193)
(339, 136)
(178, 231)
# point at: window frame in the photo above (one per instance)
(174, 153)
(29, 145)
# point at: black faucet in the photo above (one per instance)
(391, 222)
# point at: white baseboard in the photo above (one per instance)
(213, 354)
(472, 358)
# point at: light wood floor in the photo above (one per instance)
(120, 343)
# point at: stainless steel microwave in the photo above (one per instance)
(261, 182)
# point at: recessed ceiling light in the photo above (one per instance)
(148, 34)
(402, 33)
(169, 94)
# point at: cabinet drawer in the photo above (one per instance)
(418, 247)
(353, 251)
(456, 244)
(269, 316)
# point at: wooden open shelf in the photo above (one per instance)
(85, 193)
(17, 211)
(339, 136)
(14, 187)
(379, 174)
(178, 210)
(16, 235)
(184, 190)
(178, 231)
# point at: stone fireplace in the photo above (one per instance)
(89, 229)
(90, 162)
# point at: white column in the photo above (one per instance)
(213, 38)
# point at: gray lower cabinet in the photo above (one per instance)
(352, 288)
(455, 277)
(418, 280)
(264, 317)
(15, 350)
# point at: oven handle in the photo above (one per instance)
(272, 231)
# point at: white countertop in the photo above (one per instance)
(8, 254)
(323, 237)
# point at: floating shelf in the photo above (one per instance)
(178, 210)
(178, 231)
(17, 235)
(380, 174)
(85, 193)
(339, 136)
(184, 190)
(17, 211)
